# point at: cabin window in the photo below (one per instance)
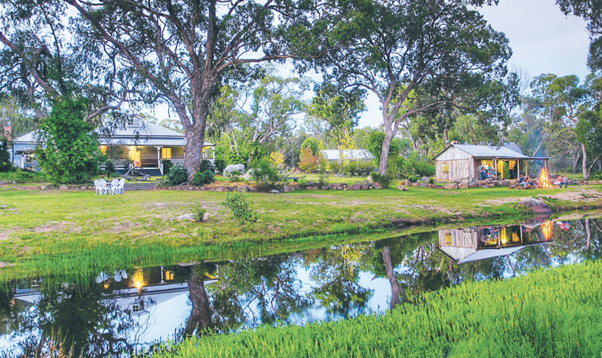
(169, 275)
(445, 167)
(166, 153)
(103, 149)
(136, 308)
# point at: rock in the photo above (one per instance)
(43, 187)
(496, 183)
(184, 184)
(186, 217)
(274, 191)
(432, 186)
(356, 186)
(244, 189)
(450, 186)
(416, 184)
(325, 187)
(63, 187)
(425, 179)
(206, 217)
(402, 188)
(312, 187)
(230, 188)
(473, 185)
(463, 186)
(286, 188)
(537, 205)
(424, 185)
(377, 186)
(490, 185)
(219, 188)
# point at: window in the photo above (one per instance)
(130, 121)
(169, 275)
(166, 153)
(136, 308)
(103, 149)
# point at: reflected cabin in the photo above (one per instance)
(461, 161)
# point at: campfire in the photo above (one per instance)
(544, 179)
(546, 228)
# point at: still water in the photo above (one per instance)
(124, 312)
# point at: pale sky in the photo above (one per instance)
(542, 38)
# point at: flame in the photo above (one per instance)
(544, 179)
(546, 228)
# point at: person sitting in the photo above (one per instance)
(530, 183)
(523, 181)
(482, 172)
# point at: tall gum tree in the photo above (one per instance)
(183, 50)
(399, 49)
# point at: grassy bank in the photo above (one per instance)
(45, 232)
(545, 314)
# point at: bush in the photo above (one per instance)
(264, 174)
(413, 178)
(5, 164)
(177, 175)
(414, 167)
(235, 176)
(220, 165)
(364, 168)
(383, 180)
(199, 213)
(203, 178)
(20, 176)
(167, 165)
(240, 206)
(334, 166)
(110, 171)
(206, 165)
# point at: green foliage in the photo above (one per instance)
(334, 166)
(375, 144)
(220, 165)
(235, 176)
(264, 173)
(167, 165)
(177, 175)
(358, 167)
(413, 167)
(203, 178)
(311, 162)
(5, 163)
(109, 169)
(315, 145)
(24, 176)
(240, 206)
(205, 165)
(413, 178)
(199, 213)
(72, 149)
(383, 180)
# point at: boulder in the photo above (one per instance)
(219, 188)
(408, 182)
(312, 187)
(43, 187)
(432, 186)
(377, 186)
(490, 185)
(537, 205)
(206, 217)
(451, 186)
(473, 185)
(356, 186)
(463, 186)
(244, 189)
(366, 186)
(416, 184)
(425, 179)
(496, 183)
(325, 187)
(424, 185)
(274, 191)
(402, 188)
(63, 187)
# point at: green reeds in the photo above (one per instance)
(549, 313)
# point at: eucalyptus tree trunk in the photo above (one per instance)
(585, 171)
(397, 292)
(200, 316)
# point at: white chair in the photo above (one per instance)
(121, 186)
(114, 185)
(98, 187)
(105, 187)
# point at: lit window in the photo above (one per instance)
(166, 153)
(169, 275)
(103, 149)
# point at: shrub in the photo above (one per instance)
(313, 144)
(167, 165)
(177, 175)
(5, 164)
(364, 168)
(334, 166)
(220, 165)
(203, 178)
(110, 171)
(20, 176)
(73, 155)
(413, 178)
(383, 180)
(414, 167)
(240, 206)
(309, 161)
(206, 165)
(199, 213)
(264, 174)
(235, 176)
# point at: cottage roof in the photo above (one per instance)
(462, 255)
(351, 154)
(30, 137)
(486, 152)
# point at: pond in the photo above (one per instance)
(124, 312)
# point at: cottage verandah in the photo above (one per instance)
(138, 144)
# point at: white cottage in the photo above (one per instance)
(138, 143)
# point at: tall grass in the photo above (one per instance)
(549, 313)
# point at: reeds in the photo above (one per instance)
(549, 313)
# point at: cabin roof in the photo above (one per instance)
(352, 154)
(486, 152)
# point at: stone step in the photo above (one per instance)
(139, 186)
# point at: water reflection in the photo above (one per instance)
(120, 313)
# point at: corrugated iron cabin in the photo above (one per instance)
(460, 161)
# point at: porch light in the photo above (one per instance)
(138, 279)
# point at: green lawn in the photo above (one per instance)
(548, 313)
(42, 230)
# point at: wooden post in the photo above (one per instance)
(518, 169)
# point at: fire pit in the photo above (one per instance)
(544, 179)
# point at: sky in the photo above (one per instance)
(542, 38)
